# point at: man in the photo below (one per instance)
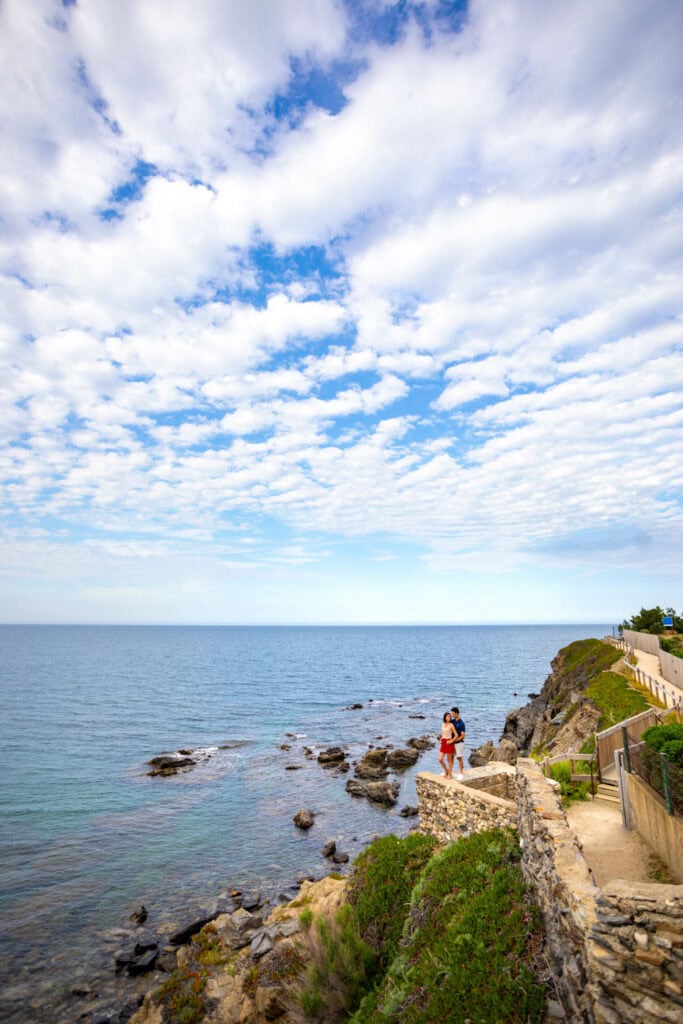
(459, 727)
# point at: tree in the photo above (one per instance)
(649, 620)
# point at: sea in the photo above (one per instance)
(88, 836)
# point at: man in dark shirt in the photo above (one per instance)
(459, 726)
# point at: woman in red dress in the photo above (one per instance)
(447, 748)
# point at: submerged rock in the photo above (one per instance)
(169, 764)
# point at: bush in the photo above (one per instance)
(469, 944)
(667, 740)
(340, 968)
(380, 888)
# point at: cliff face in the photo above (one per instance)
(561, 717)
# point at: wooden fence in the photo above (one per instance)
(609, 741)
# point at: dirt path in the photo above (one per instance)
(611, 851)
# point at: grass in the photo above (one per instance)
(570, 791)
(615, 698)
(469, 944)
(593, 656)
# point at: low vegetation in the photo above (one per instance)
(569, 791)
(615, 698)
(425, 933)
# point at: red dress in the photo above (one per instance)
(447, 746)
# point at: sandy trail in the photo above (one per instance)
(611, 851)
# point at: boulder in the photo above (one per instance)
(329, 848)
(139, 916)
(372, 765)
(422, 742)
(303, 819)
(481, 756)
(262, 942)
(377, 792)
(340, 858)
(409, 812)
(333, 755)
(402, 758)
(507, 752)
(183, 935)
(237, 930)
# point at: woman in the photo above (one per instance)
(447, 748)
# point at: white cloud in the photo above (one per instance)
(476, 352)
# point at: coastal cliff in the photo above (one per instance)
(562, 716)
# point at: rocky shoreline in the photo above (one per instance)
(143, 954)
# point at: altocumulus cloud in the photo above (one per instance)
(383, 293)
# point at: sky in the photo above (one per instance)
(339, 311)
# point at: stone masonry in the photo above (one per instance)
(616, 953)
(450, 810)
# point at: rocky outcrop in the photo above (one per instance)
(422, 742)
(251, 960)
(372, 765)
(506, 752)
(332, 757)
(378, 792)
(402, 758)
(169, 764)
(561, 717)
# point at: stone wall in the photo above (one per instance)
(616, 954)
(450, 810)
(554, 866)
(636, 953)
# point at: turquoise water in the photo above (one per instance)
(87, 835)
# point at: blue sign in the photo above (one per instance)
(667, 620)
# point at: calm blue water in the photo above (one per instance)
(87, 835)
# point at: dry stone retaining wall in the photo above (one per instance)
(616, 953)
(636, 953)
(449, 810)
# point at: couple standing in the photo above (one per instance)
(452, 743)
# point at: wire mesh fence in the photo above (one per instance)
(664, 777)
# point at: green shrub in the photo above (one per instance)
(379, 890)
(616, 700)
(470, 942)
(666, 739)
(340, 969)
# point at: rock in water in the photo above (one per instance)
(303, 819)
(378, 792)
(372, 765)
(402, 758)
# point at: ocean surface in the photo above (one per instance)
(87, 835)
